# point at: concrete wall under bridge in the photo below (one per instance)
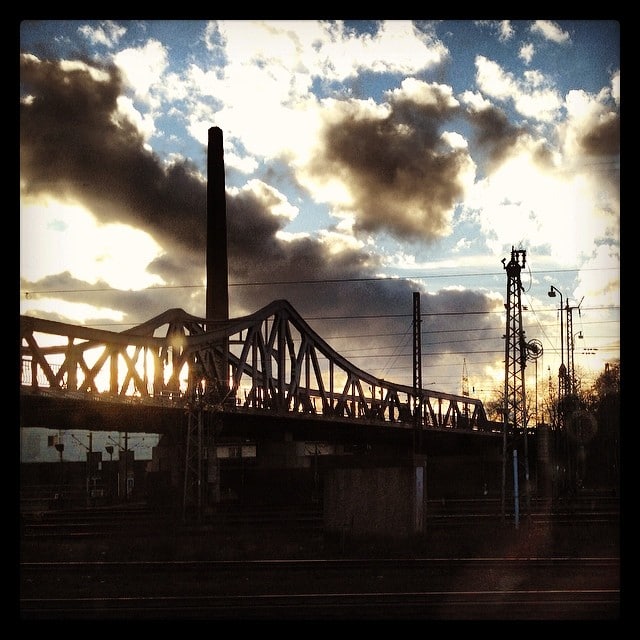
(375, 501)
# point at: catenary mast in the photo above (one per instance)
(515, 357)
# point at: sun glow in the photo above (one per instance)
(64, 238)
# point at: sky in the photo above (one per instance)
(365, 161)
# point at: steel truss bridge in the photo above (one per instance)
(268, 363)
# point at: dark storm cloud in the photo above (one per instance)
(252, 234)
(64, 286)
(603, 139)
(72, 145)
(402, 177)
(257, 255)
(495, 133)
(460, 325)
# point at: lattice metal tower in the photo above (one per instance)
(515, 357)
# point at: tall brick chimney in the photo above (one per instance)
(217, 296)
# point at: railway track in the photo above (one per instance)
(434, 588)
(132, 562)
(101, 522)
(577, 510)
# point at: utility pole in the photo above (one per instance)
(417, 373)
(465, 390)
(419, 461)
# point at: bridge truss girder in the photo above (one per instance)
(274, 362)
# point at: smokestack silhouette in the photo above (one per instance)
(217, 296)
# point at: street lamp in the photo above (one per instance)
(562, 370)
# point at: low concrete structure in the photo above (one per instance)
(386, 501)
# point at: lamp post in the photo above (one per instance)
(562, 370)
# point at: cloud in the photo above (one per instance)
(326, 49)
(533, 96)
(107, 33)
(399, 171)
(493, 130)
(77, 146)
(592, 127)
(550, 31)
(527, 52)
(142, 69)
(503, 28)
(284, 62)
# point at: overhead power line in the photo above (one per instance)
(267, 283)
(399, 315)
